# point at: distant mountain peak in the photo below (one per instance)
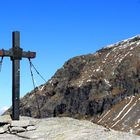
(126, 42)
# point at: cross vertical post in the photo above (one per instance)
(15, 77)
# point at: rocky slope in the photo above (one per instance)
(124, 116)
(66, 129)
(88, 86)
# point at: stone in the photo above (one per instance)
(5, 119)
(17, 129)
(6, 136)
(31, 128)
(2, 130)
(6, 127)
(21, 123)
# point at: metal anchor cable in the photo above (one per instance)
(34, 86)
(37, 71)
(1, 63)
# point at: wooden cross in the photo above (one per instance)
(16, 54)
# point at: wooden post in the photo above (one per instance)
(15, 77)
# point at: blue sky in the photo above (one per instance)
(60, 29)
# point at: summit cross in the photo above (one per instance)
(16, 54)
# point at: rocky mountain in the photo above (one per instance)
(103, 87)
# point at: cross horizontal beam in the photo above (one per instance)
(9, 53)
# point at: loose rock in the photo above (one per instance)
(31, 128)
(2, 130)
(5, 119)
(17, 129)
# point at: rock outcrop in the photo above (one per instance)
(9, 126)
(88, 86)
(66, 129)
